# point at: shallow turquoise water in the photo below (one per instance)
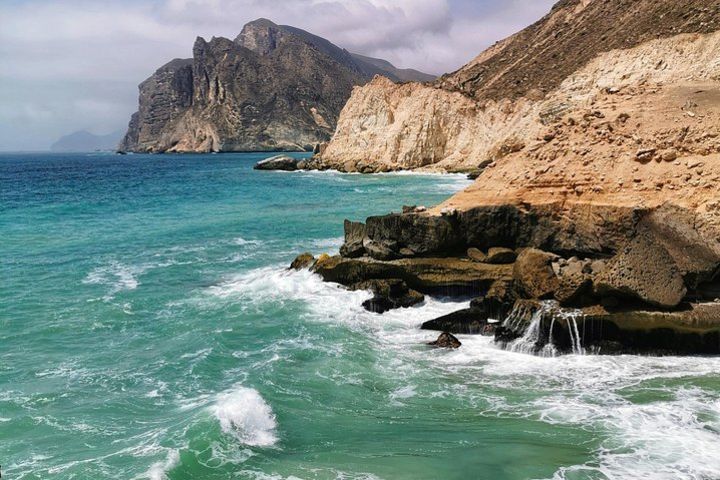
(149, 329)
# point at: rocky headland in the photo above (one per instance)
(273, 88)
(594, 222)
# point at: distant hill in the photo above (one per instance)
(84, 141)
(275, 87)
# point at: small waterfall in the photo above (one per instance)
(537, 338)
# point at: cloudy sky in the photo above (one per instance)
(68, 65)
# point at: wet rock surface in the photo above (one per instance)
(446, 340)
(388, 295)
(278, 162)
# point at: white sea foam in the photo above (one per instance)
(159, 470)
(244, 414)
(673, 436)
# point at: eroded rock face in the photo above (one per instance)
(274, 88)
(643, 270)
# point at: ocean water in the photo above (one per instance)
(149, 329)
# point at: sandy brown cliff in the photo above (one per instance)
(272, 88)
(503, 98)
(595, 138)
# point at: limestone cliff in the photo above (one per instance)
(272, 88)
(500, 102)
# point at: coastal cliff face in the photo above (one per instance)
(594, 138)
(503, 98)
(272, 88)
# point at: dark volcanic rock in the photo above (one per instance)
(354, 237)
(274, 88)
(278, 162)
(388, 295)
(469, 321)
(446, 340)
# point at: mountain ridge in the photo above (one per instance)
(272, 88)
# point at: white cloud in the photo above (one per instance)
(67, 65)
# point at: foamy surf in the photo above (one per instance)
(244, 414)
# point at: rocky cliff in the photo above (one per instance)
(272, 88)
(510, 92)
(594, 138)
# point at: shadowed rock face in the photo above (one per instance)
(272, 88)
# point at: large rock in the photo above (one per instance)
(388, 295)
(423, 234)
(534, 275)
(498, 301)
(446, 340)
(643, 270)
(501, 255)
(696, 255)
(354, 237)
(278, 162)
(468, 321)
(303, 261)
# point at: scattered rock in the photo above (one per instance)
(501, 255)
(303, 261)
(645, 155)
(278, 162)
(669, 155)
(446, 340)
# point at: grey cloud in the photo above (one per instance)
(75, 64)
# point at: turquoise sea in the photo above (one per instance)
(149, 329)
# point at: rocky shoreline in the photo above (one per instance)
(637, 281)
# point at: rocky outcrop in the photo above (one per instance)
(273, 88)
(278, 162)
(438, 276)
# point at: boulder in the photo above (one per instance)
(388, 295)
(278, 162)
(575, 288)
(471, 321)
(643, 270)
(501, 255)
(534, 275)
(446, 340)
(303, 261)
(354, 236)
(498, 301)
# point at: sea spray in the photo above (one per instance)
(531, 321)
(244, 414)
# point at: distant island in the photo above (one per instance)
(84, 141)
